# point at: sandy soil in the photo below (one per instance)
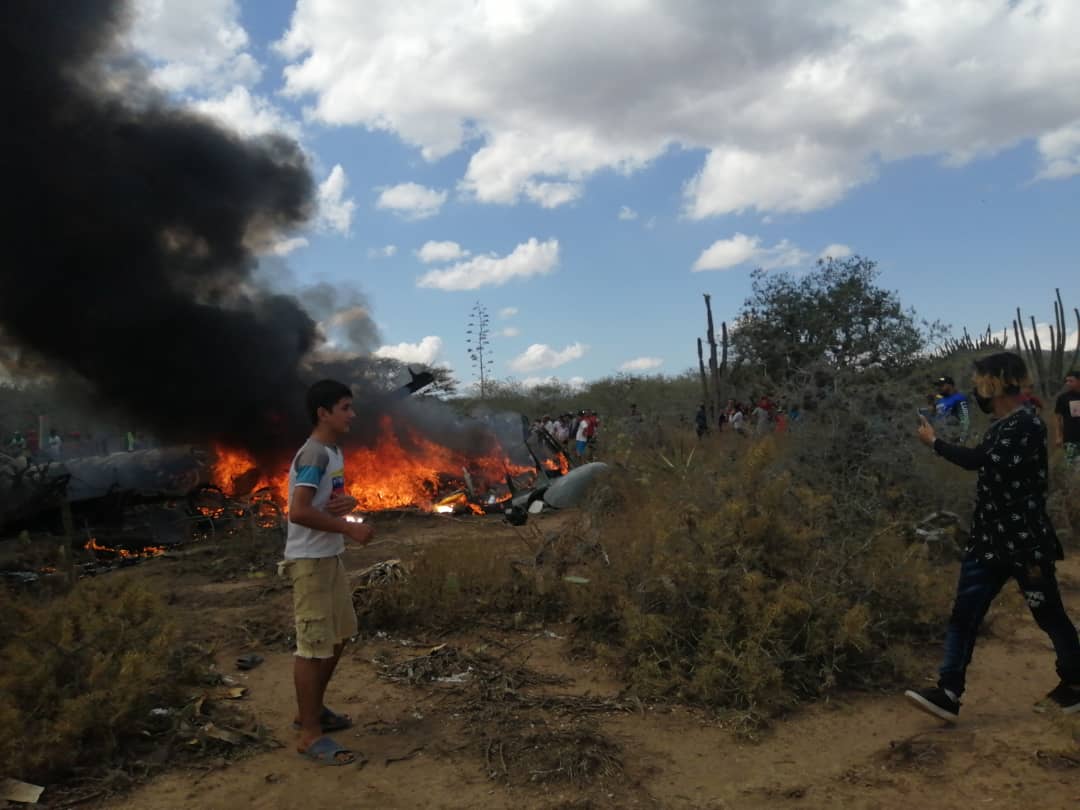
(862, 751)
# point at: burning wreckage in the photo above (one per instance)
(399, 469)
(145, 223)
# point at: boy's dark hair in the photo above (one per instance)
(325, 394)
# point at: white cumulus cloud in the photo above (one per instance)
(1060, 151)
(797, 177)
(335, 209)
(836, 251)
(411, 200)
(198, 51)
(247, 114)
(425, 352)
(642, 364)
(283, 247)
(508, 312)
(384, 252)
(528, 259)
(574, 383)
(627, 213)
(792, 105)
(552, 195)
(431, 252)
(195, 45)
(742, 249)
(540, 356)
(510, 331)
(725, 253)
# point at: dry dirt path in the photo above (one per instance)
(859, 752)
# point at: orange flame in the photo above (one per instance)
(560, 464)
(147, 551)
(402, 469)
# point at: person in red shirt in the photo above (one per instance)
(781, 419)
(592, 429)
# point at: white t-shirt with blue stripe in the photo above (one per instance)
(321, 467)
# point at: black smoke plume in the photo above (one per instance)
(128, 236)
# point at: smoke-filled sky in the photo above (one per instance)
(131, 235)
(595, 166)
(587, 169)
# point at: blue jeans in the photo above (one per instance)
(979, 583)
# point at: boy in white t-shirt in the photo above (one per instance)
(322, 600)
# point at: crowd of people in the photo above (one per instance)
(577, 434)
(759, 416)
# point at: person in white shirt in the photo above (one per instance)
(582, 437)
(738, 421)
(322, 599)
(562, 430)
(55, 445)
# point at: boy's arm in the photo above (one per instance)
(302, 513)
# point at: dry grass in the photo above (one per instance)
(578, 754)
(738, 581)
(99, 689)
(454, 585)
(81, 673)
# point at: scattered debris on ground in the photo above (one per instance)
(578, 754)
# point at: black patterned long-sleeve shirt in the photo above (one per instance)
(1010, 524)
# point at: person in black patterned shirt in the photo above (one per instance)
(1011, 537)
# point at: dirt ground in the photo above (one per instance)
(420, 750)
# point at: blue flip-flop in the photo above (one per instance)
(325, 751)
(330, 721)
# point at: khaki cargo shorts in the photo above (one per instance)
(322, 604)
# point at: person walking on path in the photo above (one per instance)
(322, 599)
(1067, 415)
(1011, 538)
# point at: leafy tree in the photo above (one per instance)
(835, 315)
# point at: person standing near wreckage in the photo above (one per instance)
(1011, 537)
(322, 601)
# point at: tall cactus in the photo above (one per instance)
(717, 362)
(1048, 365)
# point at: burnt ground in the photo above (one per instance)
(532, 725)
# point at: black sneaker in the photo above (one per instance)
(1064, 697)
(935, 701)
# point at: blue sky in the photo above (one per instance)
(943, 142)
